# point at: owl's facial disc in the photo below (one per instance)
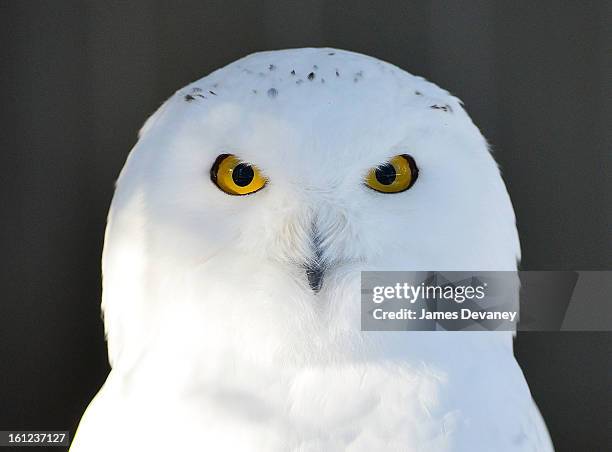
(236, 177)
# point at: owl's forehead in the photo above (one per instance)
(319, 99)
(313, 83)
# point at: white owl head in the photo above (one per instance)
(252, 200)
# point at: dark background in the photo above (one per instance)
(79, 78)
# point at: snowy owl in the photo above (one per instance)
(240, 224)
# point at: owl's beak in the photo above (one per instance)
(315, 268)
(314, 273)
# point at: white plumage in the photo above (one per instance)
(216, 339)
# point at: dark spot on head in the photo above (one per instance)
(311, 76)
(212, 92)
(331, 53)
(272, 93)
(444, 108)
(195, 92)
(271, 67)
(418, 93)
(293, 72)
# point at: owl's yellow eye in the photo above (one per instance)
(398, 175)
(235, 177)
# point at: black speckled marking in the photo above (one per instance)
(293, 72)
(212, 92)
(331, 53)
(195, 92)
(299, 82)
(272, 93)
(271, 67)
(445, 108)
(337, 73)
(315, 67)
(418, 93)
(311, 76)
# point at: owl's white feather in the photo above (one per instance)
(217, 341)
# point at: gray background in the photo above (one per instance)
(79, 77)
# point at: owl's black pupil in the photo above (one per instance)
(242, 175)
(386, 174)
